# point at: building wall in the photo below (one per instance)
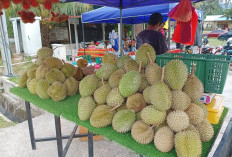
(217, 25)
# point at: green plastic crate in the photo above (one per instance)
(210, 69)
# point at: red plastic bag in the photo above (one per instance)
(182, 12)
(185, 32)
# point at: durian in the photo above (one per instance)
(53, 62)
(89, 70)
(142, 133)
(102, 116)
(131, 65)
(55, 75)
(144, 83)
(205, 130)
(22, 82)
(32, 86)
(82, 63)
(164, 139)
(57, 91)
(180, 100)
(135, 102)
(153, 73)
(151, 116)
(88, 85)
(115, 78)
(121, 61)
(42, 86)
(176, 73)
(101, 94)
(68, 70)
(193, 87)
(130, 83)
(41, 71)
(188, 144)
(31, 73)
(44, 53)
(86, 105)
(72, 86)
(178, 120)
(204, 108)
(114, 98)
(79, 74)
(106, 70)
(146, 94)
(123, 120)
(109, 58)
(195, 113)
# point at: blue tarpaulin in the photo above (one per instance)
(130, 15)
(126, 3)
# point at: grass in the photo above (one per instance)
(215, 42)
(5, 124)
(14, 79)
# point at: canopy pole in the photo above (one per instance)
(103, 31)
(70, 38)
(76, 34)
(169, 34)
(120, 41)
(83, 34)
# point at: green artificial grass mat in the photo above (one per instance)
(46, 104)
(69, 110)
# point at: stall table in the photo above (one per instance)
(69, 110)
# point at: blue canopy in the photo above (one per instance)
(130, 15)
(126, 3)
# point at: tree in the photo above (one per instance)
(72, 8)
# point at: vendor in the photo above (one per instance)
(152, 35)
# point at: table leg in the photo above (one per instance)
(90, 144)
(58, 136)
(30, 124)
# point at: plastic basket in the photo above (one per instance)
(210, 69)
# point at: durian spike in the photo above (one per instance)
(115, 108)
(149, 57)
(162, 77)
(102, 81)
(140, 66)
(193, 70)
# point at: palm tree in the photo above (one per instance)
(72, 8)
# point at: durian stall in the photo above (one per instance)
(135, 103)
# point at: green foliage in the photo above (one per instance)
(4, 124)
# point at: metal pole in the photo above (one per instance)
(76, 35)
(30, 125)
(70, 38)
(169, 34)
(83, 33)
(90, 143)
(103, 32)
(120, 41)
(58, 136)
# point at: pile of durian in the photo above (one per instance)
(152, 103)
(52, 78)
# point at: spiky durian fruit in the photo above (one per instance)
(53, 62)
(157, 127)
(86, 105)
(144, 83)
(153, 73)
(188, 144)
(55, 75)
(57, 91)
(41, 71)
(109, 58)
(42, 86)
(136, 102)
(176, 73)
(101, 94)
(164, 139)
(138, 116)
(31, 73)
(122, 107)
(146, 94)
(89, 70)
(121, 61)
(195, 113)
(130, 83)
(106, 70)
(32, 86)
(101, 83)
(82, 63)
(131, 65)
(44, 53)
(115, 78)
(193, 87)
(193, 128)
(68, 70)
(33, 66)
(123, 120)
(88, 85)
(205, 130)
(102, 116)
(72, 86)
(79, 74)
(142, 54)
(22, 82)
(160, 96)
(39, 61)
(142, 133)
(114, 98)
(151, 116)
(180, 100)
(178, 120)
(204, 108)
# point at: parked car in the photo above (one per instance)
(215, 33)
(225, 36)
